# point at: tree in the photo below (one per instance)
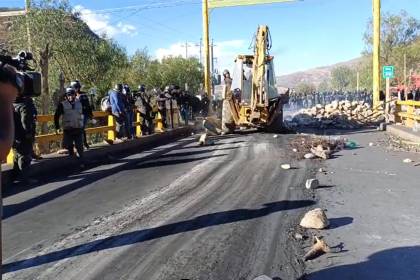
(305, 88)
(325, 85)
(343, 78)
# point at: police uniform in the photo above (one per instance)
(72, 123)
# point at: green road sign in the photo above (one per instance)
(388, 72)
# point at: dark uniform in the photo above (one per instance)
(146, 113)
(161, 104)
(24, 136)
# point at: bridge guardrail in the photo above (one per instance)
(407, 113)
(108, 129)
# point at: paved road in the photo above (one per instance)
(178, 211)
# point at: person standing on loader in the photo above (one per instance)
(227, 119)
(71, 110)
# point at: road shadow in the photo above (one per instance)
(326, 187)
(340, 222)
(91, 177)
(391, 264)
(138, 236)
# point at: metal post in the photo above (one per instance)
(207, 82)
(376, 50)
(387, 99)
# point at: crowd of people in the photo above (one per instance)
(303, 100)
(74, 111)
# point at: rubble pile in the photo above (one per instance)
(310, 147)
(338, 114)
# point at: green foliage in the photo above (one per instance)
(400, 35)
(305, 88)
(343, 78)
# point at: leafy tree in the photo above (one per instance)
(305, 88)
(325, 85)
(343, 78)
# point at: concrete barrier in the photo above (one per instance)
(404, 133)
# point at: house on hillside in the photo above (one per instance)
(6, 18)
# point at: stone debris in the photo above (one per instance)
(295, 150)
(408, 160)
(338, 114)
(315, 219)
(312, 184)
(322, 170)
(286, 166)
(298, 236)
(321, 147)
(309, 156)
(371, 144)
(275, 136)
(263, 277)
(319, 248)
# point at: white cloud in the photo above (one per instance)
(224, 51)
(101, 24)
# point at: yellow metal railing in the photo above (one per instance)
(109, 129)
(407, 112)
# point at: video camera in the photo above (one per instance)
(28, 81)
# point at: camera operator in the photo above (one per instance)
(24, 121)
(9, 89)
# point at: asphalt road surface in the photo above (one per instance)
(178, 211)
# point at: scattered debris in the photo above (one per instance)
(309, 156)
(408, 160)
(275, 136)
(393, 143)
(320, 247)
(298, 236)
(338, 114)
(295, 150)
(322, 170)
(315, 219)
(371, 144)
(321, 152)
(350, 145)
(205, 140)
(382, 126)
(312, 184)
(417, 164)
(263, 277)
(286, 166)
(322, 147)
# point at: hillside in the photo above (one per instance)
(314, 76)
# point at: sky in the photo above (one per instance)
(305, 34)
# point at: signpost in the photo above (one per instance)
(387, 73)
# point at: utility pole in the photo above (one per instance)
(207, 82)
(376, 50)
(405, 72)
(186, 49)
(358, 82)
(200, 46)
(28, 32)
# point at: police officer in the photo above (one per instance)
(128, 100)
(144, 107)
(118, 110)
(24, 137)
(161, 104)
(71, 110)
(87, 108)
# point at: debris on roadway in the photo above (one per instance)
(319, 248)
(315, 219)
(408, 160)
(286, 166)
(338, 114)
(312, 184)
(311, 146)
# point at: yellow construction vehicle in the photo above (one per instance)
(253, 101)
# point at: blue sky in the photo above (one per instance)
(305, 34)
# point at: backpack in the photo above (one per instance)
(106, 104)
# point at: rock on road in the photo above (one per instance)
(177, 211)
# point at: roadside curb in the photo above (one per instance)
(404, 133)
(55, 163)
